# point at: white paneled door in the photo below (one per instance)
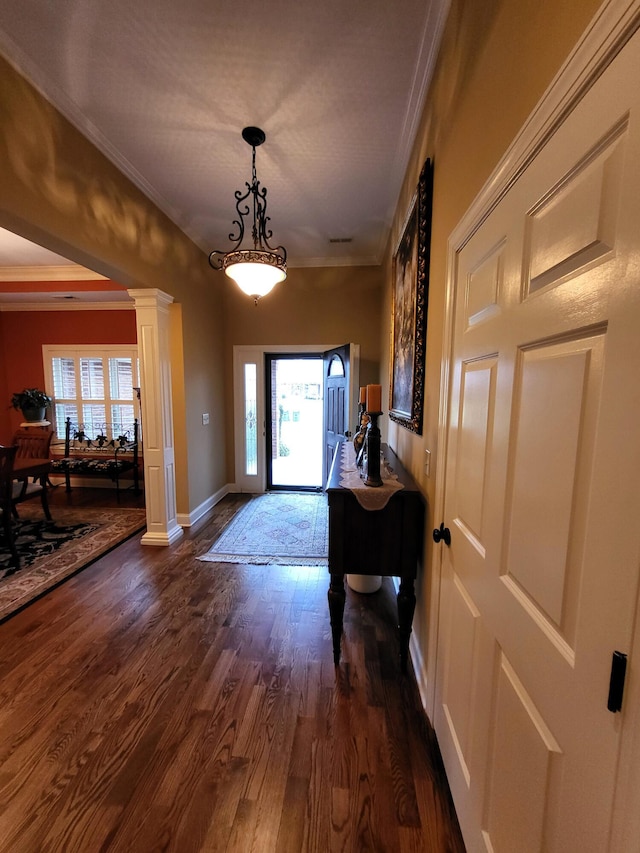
(542, 487)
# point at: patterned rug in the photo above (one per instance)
(282, 529)
(51, 551)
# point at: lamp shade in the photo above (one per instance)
(255, 273)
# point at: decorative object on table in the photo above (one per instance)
(371, 464)
(362, 404)
(277, 529)
(410, 295)
(50, 552)
(256, 271)
(360, 436)
(33, 404)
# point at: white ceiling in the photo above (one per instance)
(164, 88)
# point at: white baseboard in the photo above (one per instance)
(190, 518)
(420, 670)
(162, 539)
(417, 659)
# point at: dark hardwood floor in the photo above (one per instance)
(157, 703)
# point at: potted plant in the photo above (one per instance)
(32, 403)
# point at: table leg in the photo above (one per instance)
(337, 598)
(406, 607)
(44, 499)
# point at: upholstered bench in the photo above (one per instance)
(106, 450)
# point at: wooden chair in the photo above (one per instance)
(32, 442)
(7, 455)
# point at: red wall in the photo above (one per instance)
(22, 335)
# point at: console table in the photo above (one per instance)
(386, 542)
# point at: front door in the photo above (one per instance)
(340, 380)
(295, 421)
(539, 585)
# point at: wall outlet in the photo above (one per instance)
(205, 419)
(427, 463)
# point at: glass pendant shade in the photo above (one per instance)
(255, 273)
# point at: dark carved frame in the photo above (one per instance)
(416, 235)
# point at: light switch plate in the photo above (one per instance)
(205, 419)
(427, 463)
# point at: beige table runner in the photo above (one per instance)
(369, 497)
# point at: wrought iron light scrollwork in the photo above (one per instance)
(256, 271)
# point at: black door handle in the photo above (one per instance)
(443, 533)
(616, 683)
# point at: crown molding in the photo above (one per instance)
(63, 272)
(66, 306)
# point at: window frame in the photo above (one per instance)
(78, 352)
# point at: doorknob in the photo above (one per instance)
(443, 533)
(616, 684)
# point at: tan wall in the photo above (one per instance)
(329, 305)
(497, 59)
(59, 191)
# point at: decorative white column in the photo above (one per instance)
(152, 321)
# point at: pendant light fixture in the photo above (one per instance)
(256, 270)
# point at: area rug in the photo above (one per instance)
(52, 551)
(283, 529)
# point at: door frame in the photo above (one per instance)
(257, 484)
(269, 358)
(608, 32)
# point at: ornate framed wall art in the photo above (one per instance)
(410, 298)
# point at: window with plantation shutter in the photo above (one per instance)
(93, 387)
